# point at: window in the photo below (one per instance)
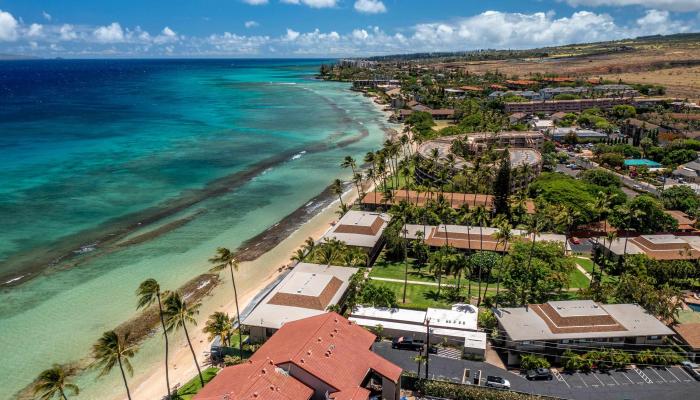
(655, 337)
(565, 341)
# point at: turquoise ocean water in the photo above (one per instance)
(91, 150)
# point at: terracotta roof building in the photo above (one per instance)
(689, 334)
(685, 222)
(361, 229)
(473, 237)
(374, 200)
(321, 357)
(658, 247)
(305, 291)
(556, 326)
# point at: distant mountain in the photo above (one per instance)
(16, 57)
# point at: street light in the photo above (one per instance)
(427, 346)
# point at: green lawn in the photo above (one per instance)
(395, 270)
(588, 264)
(577, 279)
(417, 296)
(189, 389)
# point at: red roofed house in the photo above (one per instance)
(321, 357)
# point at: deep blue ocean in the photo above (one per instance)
(96, 152)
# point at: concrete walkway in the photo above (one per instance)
(584, 272)
(376, 278)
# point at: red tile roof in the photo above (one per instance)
(326, 346)
(330, 348)
(255, 380)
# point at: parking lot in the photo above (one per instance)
(633, 383)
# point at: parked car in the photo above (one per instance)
(407, 343)
(539, 374)
(575, 240)
(692, 369)
(497, 382)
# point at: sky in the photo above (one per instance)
(323, 28)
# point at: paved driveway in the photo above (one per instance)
(638, 384)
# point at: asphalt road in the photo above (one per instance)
(640, 384)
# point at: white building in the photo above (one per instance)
(457, 326)
(361, 229)
(551, 328)
(306, 291)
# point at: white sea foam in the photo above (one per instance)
(298, 155)
(86, 249)
(13, 280)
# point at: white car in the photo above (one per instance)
(497, 382)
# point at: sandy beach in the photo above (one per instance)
(252, 277)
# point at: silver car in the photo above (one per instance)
(497, 382)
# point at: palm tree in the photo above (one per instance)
(533, 229)
(219, 324)
(178, 315)
(504, 235)
(337, 189)
(298, 256)
(55, 381)
(481, 217)
(225, 258)
(148, 293)
(111, 350)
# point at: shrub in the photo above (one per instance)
(531, 361)
(455, 391)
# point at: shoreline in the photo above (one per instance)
(273, 261)
(150, 384)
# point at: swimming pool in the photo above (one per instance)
(694, 307)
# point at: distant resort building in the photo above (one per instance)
(361, 229)
(307, 290)
(688, 172)
(553, 106)
(587, 135)
(456, 326)
(550, 329)
(474, 238)
(523, 148)
(320, 357)
(375, 200)
(658, 247)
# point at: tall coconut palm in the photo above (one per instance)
(148, 293)
(178, 315)
(481, 217)
(503, 235)
(337, 189)
(111, 350)
(55, 381)
(534, 228)
(225, 258)
(219, 324)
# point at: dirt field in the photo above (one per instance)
(674, 65)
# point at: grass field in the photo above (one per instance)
(418, 297)
(191, 388)
(395, 270)
(577, 279)
(587, 264)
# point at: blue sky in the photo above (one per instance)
(323, 28)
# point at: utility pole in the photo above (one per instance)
(427, 346)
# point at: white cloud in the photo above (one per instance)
(251, 24)
(255, 2)
(671, 5)
(112, 33)
(46, 16)
(291, 35)
(35, 30)
(370, 6)
(67, 32)
(313, 3)
(8, 27)
(168, 32)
